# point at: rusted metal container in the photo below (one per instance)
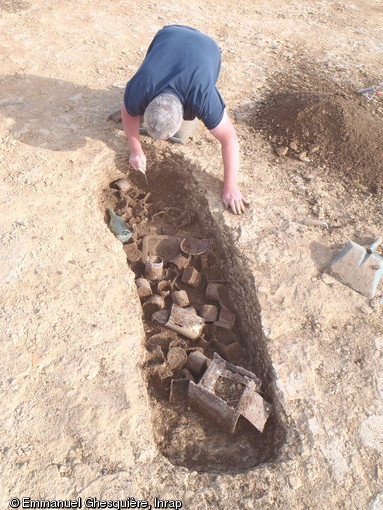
(144, 288)
(185, 321)
(191, 277)
(154, 268)
(180, 298)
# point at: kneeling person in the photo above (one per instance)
(174, 86)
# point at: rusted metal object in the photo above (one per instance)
(144, 288)
(224, 408)
(212, 291)
(196, 363)
(233, 352)
(166, 247)
(164, 288)
(153, 304)
(193, 246)
(209, 313)
(180, 298)
(254, 408)
(178, 390)
(185, 321)
(158, 340)
(161, 316)
(181, 261)
(176, 358)
(187, 374)
(191, 277)
(154, 268)
(214, 408)
(226, 319)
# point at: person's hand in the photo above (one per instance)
(138, 161)
(234, 199)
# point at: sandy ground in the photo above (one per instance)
(76, 417)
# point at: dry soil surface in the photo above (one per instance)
(81, 418)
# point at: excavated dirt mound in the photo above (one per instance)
(325, 123)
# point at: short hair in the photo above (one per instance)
(163, 116)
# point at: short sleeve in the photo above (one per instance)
(212, 110)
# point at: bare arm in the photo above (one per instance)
(226, 135)
(131, 125)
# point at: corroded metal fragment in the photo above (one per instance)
(213, 396)
(214, 408)
(185, 321)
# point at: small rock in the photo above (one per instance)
(327, 279)
(367, 310)
(314, 148)
(293, 146)
(282, 151)
(376, 304)
(115, 116)
(65, 471)
(303, 157)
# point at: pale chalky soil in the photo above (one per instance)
(77, 421)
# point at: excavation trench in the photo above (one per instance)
(172, 207)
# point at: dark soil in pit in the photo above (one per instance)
(171, 206)
(228, 391)
(326, 124)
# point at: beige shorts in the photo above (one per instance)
(186, 129)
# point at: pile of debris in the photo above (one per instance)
(193, 354)
(187, 365)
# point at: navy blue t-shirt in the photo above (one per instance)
(183, 61)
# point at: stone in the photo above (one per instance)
(303, 157)
(282, 151)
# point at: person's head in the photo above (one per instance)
(163, 116)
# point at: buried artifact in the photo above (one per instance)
(227, 392)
